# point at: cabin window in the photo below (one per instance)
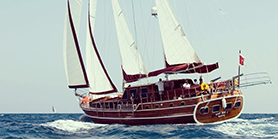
(98, 105)
(144, 92)
(133, 93)
(125, 95)
(229, 106)
(182, 103)
(215, 108)
(156, 106)
(107, 105)
(237, 104)
(93, 105)
(147, 107)
(171, 105)
(204, 110)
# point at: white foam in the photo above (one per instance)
(262, 120)
(252, 128)
(72, 126)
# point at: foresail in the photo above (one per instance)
(132, 64)
(74, 67)
(100, 82)
(177, 49)
(93, 9)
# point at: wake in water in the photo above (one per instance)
(72, 126)
(261, 127)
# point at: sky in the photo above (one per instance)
(33, 79)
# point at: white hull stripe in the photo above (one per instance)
(139, 118)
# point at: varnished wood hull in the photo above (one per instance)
(189, 112)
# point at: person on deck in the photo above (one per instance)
(160, 86)
(200, 80)
(186, 85)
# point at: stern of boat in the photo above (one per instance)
(219, 109)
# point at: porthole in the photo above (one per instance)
(156, 106)
(215, 108)
(237, 104)
(171, 105)
(147, 107)
(229, 106)
(182, 103)
(204, 110)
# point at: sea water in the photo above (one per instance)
(72, 126)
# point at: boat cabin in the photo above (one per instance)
(173, 89)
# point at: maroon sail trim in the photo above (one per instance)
(132, 78)
(78, 52)
(102, 65)
(186, 68)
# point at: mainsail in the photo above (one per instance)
(132, 64)
(100, 82)
(178, 52)
(74, 67)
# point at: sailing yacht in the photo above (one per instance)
(165, 102)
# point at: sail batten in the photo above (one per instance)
(74, 67)
(132, 64)
(100, 82)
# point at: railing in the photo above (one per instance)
(253, 79)
(224, 87)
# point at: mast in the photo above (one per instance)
(74, 66)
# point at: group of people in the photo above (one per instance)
(187, 85)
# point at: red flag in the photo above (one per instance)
(241, 60)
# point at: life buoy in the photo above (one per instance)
(204, 86)
(236, 81)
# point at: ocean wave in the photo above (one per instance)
(252, 128)
(72, 126)
(259, 120)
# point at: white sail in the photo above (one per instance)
(75, 70)
(93, 8)
(132, 63)
(177, 48)
(99, 80)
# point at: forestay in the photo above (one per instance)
(132, 65)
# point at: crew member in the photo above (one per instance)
(160, 86)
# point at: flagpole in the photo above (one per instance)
(239, 71)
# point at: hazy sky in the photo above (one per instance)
(32, 76)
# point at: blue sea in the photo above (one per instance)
(69, 126)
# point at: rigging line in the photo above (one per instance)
(135, 38)
(213, 36)
(145, 45)
(240, 35)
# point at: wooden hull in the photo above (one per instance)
(177, 111)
